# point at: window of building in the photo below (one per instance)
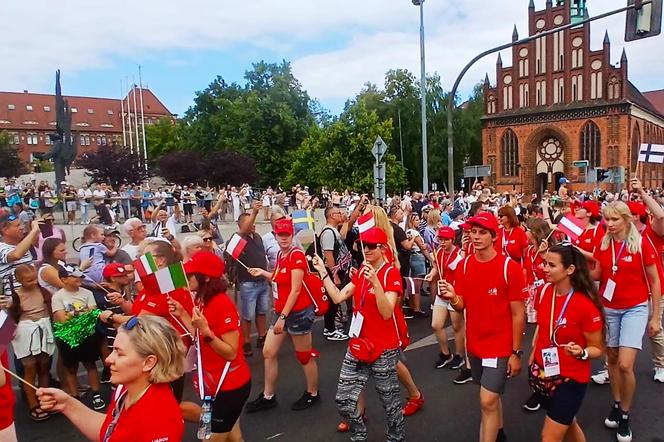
(540, 55)
(32, 139)
(591, 146)
(510, 153)
(559, 51)
(491, 105)
(47, 108)
(577, 88)
(28, 107)
(103, 141)
(614, 89)
(109, 112)
(11, 106)
(596, 85)
(91, 111)
(98, 141)
(74, 110)
(524, 95)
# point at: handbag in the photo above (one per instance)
(542, 385)
(364, 350)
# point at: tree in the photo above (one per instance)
(338, 155)
(214, 168)
(10, 159)
(182, 167)
(163, 137)
(113, 164)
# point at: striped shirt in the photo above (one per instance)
(7, 268)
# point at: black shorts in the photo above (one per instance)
(177, 386)
(87, 352)
(565, 402)
(188, 209)
(227, 407)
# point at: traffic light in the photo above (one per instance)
(644, 21)
(603, 175)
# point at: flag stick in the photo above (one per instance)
(97, 284)
(240, 262)
(19, 378)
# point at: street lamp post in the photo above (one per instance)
(423, 93)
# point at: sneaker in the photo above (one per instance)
(307, 400)
(624, 433)
(533, 403)
(613, 419)
(246, 349)
(601, 378)
(408, 313)
(465, 376)
(413, 405)
(97, 402)
(659, 374)
(327, 332)
(260, 404)
(456, 363)
(420, 314)
(337, 335)
(260, 342)
(344, 426)
(105, 376)
(444, 360)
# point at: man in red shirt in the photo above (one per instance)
(495, 318)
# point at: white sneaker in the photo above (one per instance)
(601, 378)
(659, 375)
(337, 335)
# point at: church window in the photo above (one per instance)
(510, 153)
(591, 145)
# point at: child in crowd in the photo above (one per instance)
(33, 342)
(68, 303)
(93, 250)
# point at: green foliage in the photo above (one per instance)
(165, 136)
(10, 160)
(338, 155)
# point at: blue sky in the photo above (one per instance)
(334, 46)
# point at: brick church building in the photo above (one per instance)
(561, 102)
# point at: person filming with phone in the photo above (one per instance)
(14, 247)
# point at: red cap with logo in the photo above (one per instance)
(205, 263)
(484, 220)
(113, 270)
(283, 225)
(374, 235)
(590, 206)
(637, 208)
(446, 233)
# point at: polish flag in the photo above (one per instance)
(236, 246)
(571, 227)
(366, 222)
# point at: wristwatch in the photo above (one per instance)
(282, 316)
(583, 356)
(517, 353)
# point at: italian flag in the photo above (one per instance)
(571, 227)
(170, 278)
(145, 265)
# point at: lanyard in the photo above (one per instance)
(506, 238)
(446, 262)
(616, 259)
(199, 369)
(562, 311)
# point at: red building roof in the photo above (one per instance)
(36, 112)
(657, 99)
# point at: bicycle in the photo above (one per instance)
(76, 244)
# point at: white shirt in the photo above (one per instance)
(84, 194)
(132, 250)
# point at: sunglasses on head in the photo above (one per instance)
(133, 322)
(11, 218)
(372, 246)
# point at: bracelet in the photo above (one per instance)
(327, 275)
(454, 303)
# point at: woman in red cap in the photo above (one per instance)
(588, 213)
(374, 348)
(294, 315)
(447, 258)
(511, 241)
(222, 378)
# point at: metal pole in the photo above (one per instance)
(131, 138)
(423, 92)
(133, 92)
(124, 132)
(400, 137)
(145, 148)
(450, 102)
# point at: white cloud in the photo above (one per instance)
(374, 36)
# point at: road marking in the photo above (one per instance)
(275, 436)
(429, 340)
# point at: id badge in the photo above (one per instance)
(609, 289)
(539, 283)
(275, 291)
(551, 362)
(356, 325)
(490, 362)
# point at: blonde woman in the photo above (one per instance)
(626, 268)
(147, 355)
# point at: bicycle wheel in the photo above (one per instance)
(76, 244)
(118, 241)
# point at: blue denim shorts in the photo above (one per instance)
(418, 265)
(298, 323)
(626, 327)
(255, 299)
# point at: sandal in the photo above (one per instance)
(38, 415)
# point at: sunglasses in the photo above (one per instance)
(10, 218)
(208, 239)
(133, 322)
(372, 246)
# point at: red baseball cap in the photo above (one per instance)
(484, 220)
(446, 233)
(637, 208)
(283, 225)
(591, 207)
(205, 263)
(465, 226)
(374, 235)
(114, 269)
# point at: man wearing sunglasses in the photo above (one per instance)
(14, 247)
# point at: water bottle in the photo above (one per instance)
(205, 424)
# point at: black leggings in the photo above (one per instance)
(227, 407)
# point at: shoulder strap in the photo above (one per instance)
(507, 262)
(465, 263)
(643, 264)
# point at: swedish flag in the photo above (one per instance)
(303, 220)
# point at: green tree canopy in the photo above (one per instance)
(11, 164)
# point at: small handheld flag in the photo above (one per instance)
(303, 220)
(171, 278)
(236, 246)
(571, 227)
(366, 222)
(145, 265)
(651, 153)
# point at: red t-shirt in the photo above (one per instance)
(157, 304)
(7, 399)
(591, 238)
(222, 318)
(294, 260)
(382, 332)
(155, 417)
(631, 283)
(581, 316)
(447, 263)
(658, 244)
(512, 243)
(534, 264)
(487, 298)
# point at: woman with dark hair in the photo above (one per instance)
(588, 213)
(540, 240)
(55, 255)
(223, 378)
(569, 333)
(511, 241)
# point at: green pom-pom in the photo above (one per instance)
(77, 329)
